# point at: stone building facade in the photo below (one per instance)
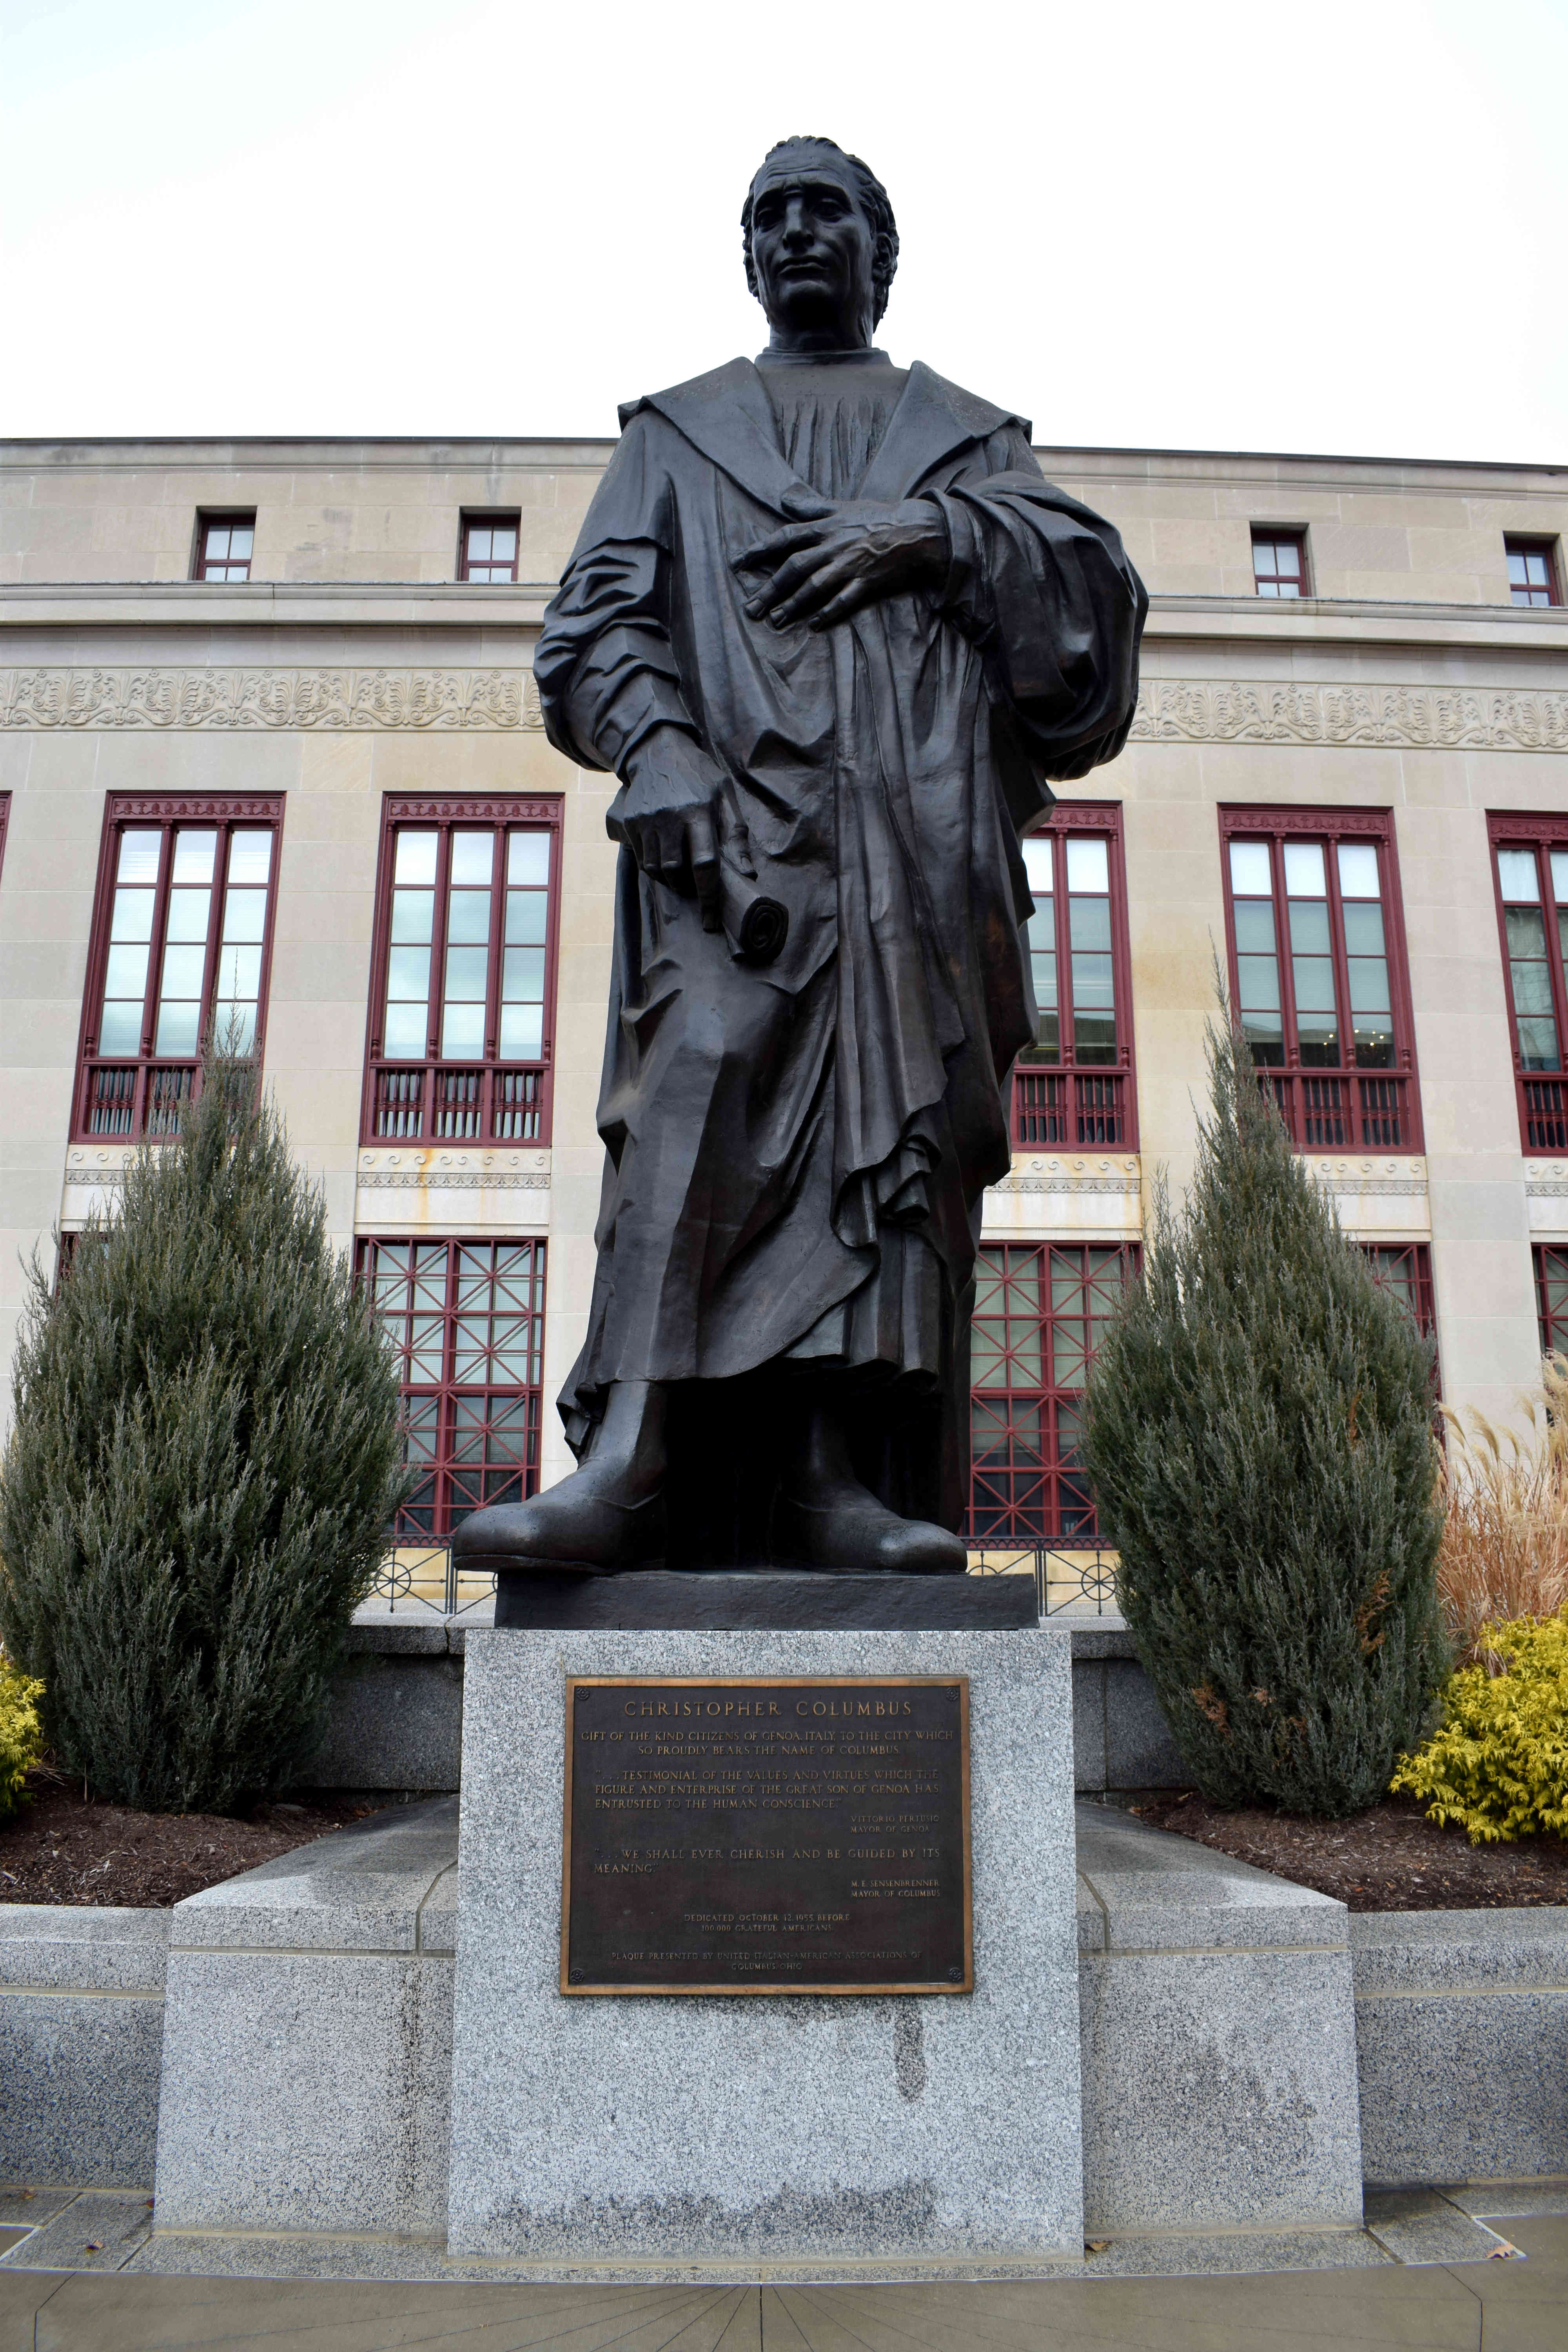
(268, 738)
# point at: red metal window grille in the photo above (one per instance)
(1279, 562)
(1039, 1310)
(182, 942)
(1317, 972)
(1529, 868)
(465, 1320)
(1532, 575)
(1551, 1295)
(489, 548)
(224, 546)
(1075, 1085)
(1405, 1269)
(461, 1019)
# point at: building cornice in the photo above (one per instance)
(256, 604)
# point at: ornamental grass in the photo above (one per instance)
(1504, 1553)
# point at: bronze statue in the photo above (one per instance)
(833, 632)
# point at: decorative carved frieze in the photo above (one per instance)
(322, 701)
(1404, 717)
(1079, 1177)
(443, 1180)
(452, 1172)
(1381, 1178)
(349, 701)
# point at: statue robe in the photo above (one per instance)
(797, 1151)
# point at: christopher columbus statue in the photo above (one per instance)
(834, 634)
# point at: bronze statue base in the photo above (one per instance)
(736, 1601)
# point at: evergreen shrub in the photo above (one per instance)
(21, 1735)
(204, 1462)
(1257, 1425)
(1498, 1763)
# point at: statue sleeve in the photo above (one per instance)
(1044, 588)
(603, 664)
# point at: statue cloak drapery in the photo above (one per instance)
(797, 1153)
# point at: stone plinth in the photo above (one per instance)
(771, 2135)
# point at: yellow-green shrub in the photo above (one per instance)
(1498, 1765)
(21, 1733)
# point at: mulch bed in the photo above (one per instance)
(62, 1849)
(1390, 1858)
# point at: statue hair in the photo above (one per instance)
(878, 211)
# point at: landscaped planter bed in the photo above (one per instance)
(64, 1849)
(1390, 1858)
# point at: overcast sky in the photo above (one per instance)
(1321, 228)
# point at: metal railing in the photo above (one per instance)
(1327, 1110)
(129, 1100)
(424, 1578)
(1069, 1106)
(1543, 1113)
(1075, 1579)
(443, 1103)
(1079, 1580)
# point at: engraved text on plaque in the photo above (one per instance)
(804, 1835)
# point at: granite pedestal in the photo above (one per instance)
(639, 2136)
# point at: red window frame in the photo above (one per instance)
(449, 1308)
(1551, 1269)
(1529, 590)
(1541, 1094)
(1269, 581)
(210, 566)
(5, 821)
(1347, 1109)
(122, 1097)
(502, 518)
(1405, 1269)
(1026, 1489)
(482, 1099)
(1064, 1103)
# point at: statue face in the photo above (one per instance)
(811, 248)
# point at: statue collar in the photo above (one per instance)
(728, 416)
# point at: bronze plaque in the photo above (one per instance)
(808, 1834)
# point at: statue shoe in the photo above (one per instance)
(857, 1535)
(573, 1529)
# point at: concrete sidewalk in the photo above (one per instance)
(1505, 2305)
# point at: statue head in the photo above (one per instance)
(821, 244)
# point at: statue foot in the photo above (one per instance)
(855, 1534)
(577, 1528)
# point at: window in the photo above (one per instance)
(181, 941)
(1405, 1268)
(1532, 575)
(1074, 1084)
(1040, 1308)
(1529, 865)
(1279, 562)
(1551, 1295)
(1318, 972)
(489, 548)
(4, 818)
(224, 546)
(460, 1021)
(465, 1320)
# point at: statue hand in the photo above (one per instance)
(665, 812)
(842, 555)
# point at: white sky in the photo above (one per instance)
(1315, 226)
